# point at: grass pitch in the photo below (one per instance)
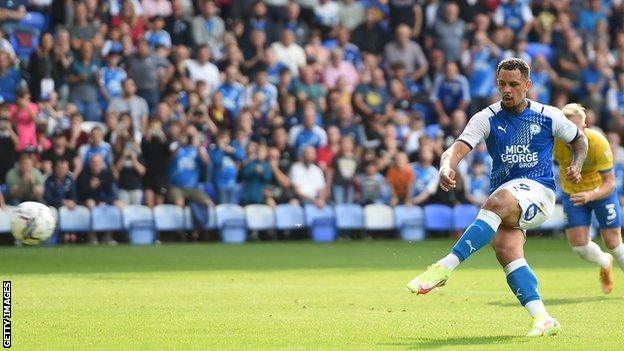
(296, 296)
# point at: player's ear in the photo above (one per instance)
(529, 84)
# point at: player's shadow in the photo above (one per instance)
(434, 343)
(556, 302)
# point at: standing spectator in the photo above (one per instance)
(483, 57)
(449, 32)
(340, 69)
(208, 28)
(157, 35)
(232, 91)
(289, 53)
(408, 13)
(350, 14)
(372, 185)
(369, 36)
(202, 69)
(9, 78)
(8, 141)
(96, 186)
(130, 166)
(341, 175)
(23, 114)
(425, 177)
(111, 79)
(307, 133)
(402, 49)
(60, 151)
(132, 104)
(156, 152)
(255, 175)
(308, 89)
(268, 91)
(129, 19)
(400, 177)
(83, 81)
(60, 190)
(308, 180)
(76, 137)
(515, 15)
(224, 158)
(178, 26)
(24, 181)
(143, 68)
(42, 69)
(295, 24)
(82, 29)
(372, 100)
(570, 61)
(450, 92)
(595, 79)
(96, 146)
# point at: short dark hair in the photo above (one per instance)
(513, 63)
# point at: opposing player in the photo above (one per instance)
(519, 137)
(595, 193)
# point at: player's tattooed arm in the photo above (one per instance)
(579, 153)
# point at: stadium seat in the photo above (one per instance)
(321, 222)
(34, 20)
(169, 218)
(260, 217)
(438, 217)
(349, 216)
(212, 218)
(409, 221)
(464, 215)
(77, 219)
(378, 217)
(288, 217)
(135, 213)
(5, 219)
(231, 223)
(106, 218)
(556, 221)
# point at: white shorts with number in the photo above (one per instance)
(536, 201)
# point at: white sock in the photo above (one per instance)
(592, 253)
(618, 254)
(536, 307)
(450, 261)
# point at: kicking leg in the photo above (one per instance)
(509, 246)
(578, 237)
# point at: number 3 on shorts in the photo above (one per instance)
(611, 214)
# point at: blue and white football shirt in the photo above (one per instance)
(521, 146)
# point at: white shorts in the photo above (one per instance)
(536, 201)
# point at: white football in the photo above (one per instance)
(32, 223)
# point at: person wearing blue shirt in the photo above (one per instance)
(588, 17)
(595, 79)
(484, 55)
(425, 177)
(96, 146)
(477, 183)
(9, 78)
(516, 15)
(615, 98)
(232, 91)
(60, 188)
(350, 51)
(224, 158)
(307, 133)
(111, 79)
(267, 89)
(157, 36)
(450, 92)
(255, 175)
(542, 76)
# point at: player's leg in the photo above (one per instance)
(508, 243)
(500, 207)
(609, 216)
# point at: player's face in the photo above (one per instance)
(512, 87)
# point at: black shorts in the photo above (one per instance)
(157, 184)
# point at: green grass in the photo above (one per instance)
(296, 296)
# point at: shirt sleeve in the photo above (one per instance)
(477, 129)
(562, 128)
(603, 155)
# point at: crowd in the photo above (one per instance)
(276, 101)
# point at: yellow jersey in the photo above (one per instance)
(599, 159)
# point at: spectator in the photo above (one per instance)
(255, 175)
(481, 70)
(372, 100)
(156, 153)
(129, 19)
(143, 68)
(543, 78)
(152, 8)
(325, 154)
(308, 180)
(402, 49)
(326, 15)
(202, 69)
(178, 26)
(350, 14)
(41, 68)
(340, 69)
(342, 173)
(8, 141)
(254, 52)
(589, 17)
(289, 53)
(477, 183)
(307, 133)
(82, 29)
(233, 92)
(408, 13)
(348, 125)
(112, 78)
(24, 181)
(157, 35)
(130, 166)
(9, 78)
(208, 28)
(450, 92)
(595, 79)
(11, 12)
(570, 62)
(60, 151)
(224, 159)
(74, 134)
(369, 36)
(96, 146)
(132, 104)
(515, 15)
(295, 24)
(308, 89)
(449, 32)
(268, 91)
(60, 187)
(260, 21)
(425, 177)
(400, 177)
(372, 185)
(84, 78)
(23, 115)
(219, 115)
(615, 102)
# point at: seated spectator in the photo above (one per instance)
(279, 190)
(208, 28)
(307, 88)
(84, 83)
(60, 151)
(425, 177)
(201, 69)
(326, 15)
(156, 152)
(76, 137)
(515, 15)
(483, 56)
(255, 175)
(372, 185)
(9, 78)
(341, 175)
(112, 79)
(96, 146)
(307, 133)
(477, 183)
(400, 177)
(308, 180)
(8, 141)
(595, 80)
(372, 100)
(233, 92)
(156, 35)
(289, 53)
(615, 102)
(130, 167)
(131, 103)
(23, 114)
(348, 124)
(339, 68)
(450, 92)
(325, 154)
(224, 159)
(268, 90)
(24, 181)
(60, 187)
(11, 11)
(293, 22)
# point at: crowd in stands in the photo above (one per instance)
(277, 101)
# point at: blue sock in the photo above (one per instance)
(477, 235)
(522, 281)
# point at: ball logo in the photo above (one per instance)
(535, 129)
(530, 212)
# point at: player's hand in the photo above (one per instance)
(580, 199)
(573, 174)
(447, 178)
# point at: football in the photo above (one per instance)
(32, 223)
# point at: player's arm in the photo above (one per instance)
(604, 165)
(579, 152)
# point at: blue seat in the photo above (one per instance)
(77, 219)
(464, 215)
(321, 222)
(34, 20)
(136, 213)
(438, 217)
(409, 220)
(260, 217)
(142, 232)
(349, 216)
(231, 223)
(378, 217)
(289, 217)
(169, 218)
(106, 218)
(5, 219)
